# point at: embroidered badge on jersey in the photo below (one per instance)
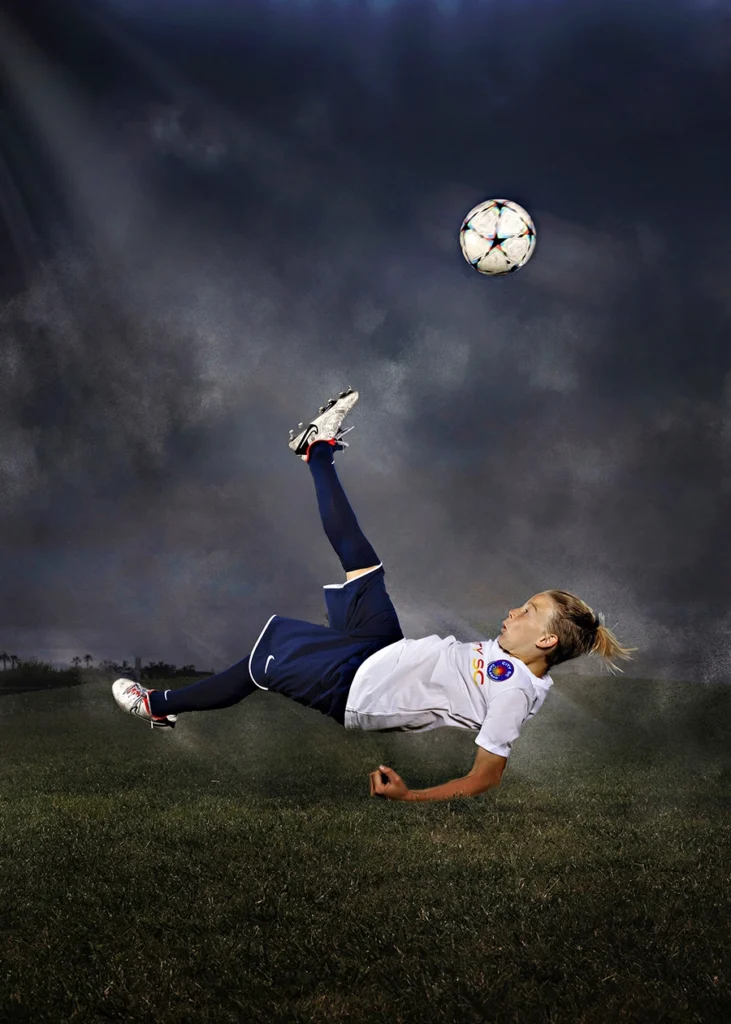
(500, 669)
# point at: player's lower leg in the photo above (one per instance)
(222, 690)
(338, 519)
(316, 444)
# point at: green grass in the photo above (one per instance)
(236, 870)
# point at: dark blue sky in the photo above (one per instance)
(217, 214)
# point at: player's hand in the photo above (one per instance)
(385, 782)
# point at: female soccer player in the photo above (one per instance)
(363, 673)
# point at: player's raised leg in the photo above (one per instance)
(316, 444)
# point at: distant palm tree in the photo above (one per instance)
(88, 659)
(14, 659)
(5, 658)
(76, 661)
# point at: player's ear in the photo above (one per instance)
(548, 641)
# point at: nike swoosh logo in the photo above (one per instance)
(270, 658)
(309, 433)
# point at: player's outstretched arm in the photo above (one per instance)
(485, 774)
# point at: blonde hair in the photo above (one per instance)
(580, 631)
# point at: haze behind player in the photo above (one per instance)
(361, 671)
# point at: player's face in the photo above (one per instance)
(527, 625)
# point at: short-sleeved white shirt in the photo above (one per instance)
(415, 685)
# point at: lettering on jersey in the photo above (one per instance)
(477, 665)
(500, 669)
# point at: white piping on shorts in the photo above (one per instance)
(252, 654)
(339, 586)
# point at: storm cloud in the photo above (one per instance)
(221, 221)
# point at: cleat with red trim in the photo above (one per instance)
(326, 426)
(134, 699)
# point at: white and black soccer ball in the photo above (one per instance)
(497, 237)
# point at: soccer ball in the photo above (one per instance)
(497, 237)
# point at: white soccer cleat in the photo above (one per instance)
(134, 699)
(325, 426)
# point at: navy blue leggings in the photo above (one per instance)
(350, 545)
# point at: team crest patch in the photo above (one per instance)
(500, 669)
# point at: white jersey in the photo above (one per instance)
(417, 685)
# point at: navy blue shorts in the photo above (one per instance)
(315, 665)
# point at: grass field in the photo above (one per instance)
(236, 869)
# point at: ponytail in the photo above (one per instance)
(608, 647)
(580, 631)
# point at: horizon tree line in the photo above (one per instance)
(153, 669)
